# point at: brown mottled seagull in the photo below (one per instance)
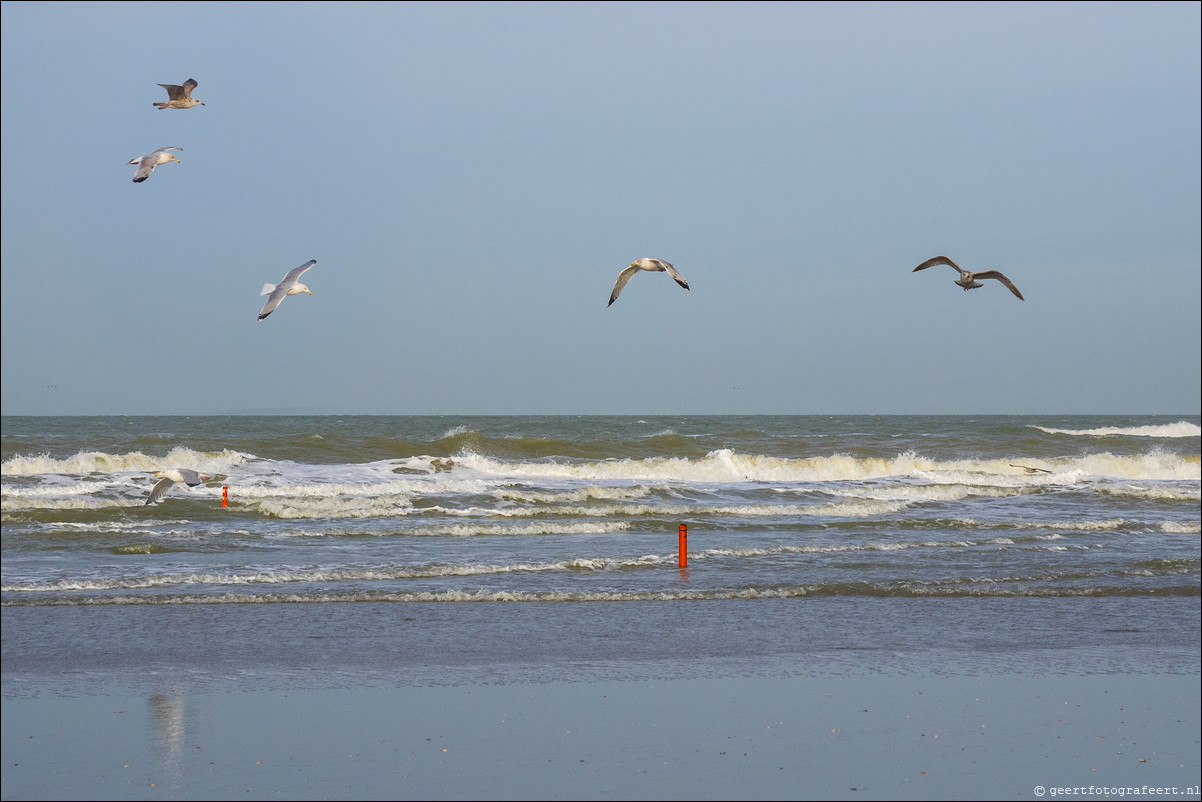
(968, 280)
(650, 265)
(172, 475)
(147, 163)
(179, 97)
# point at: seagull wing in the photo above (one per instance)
(623, 277)
(273, 300)
(146, 166)
(160, 487)
(188, 86)
(938, 260)
(294, 274)
(997, 275)
(674, 274)
(174, 92)
(191, 478)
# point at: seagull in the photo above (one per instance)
(1029, 469)
(172, 475)
(147, 163)
(969, 280)
(289, 286)
(180, 97)
(650, 265)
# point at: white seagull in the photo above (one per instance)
(179, 97)
(289, 286)
(172, 475)
(650, 265)
(969, 280)
(147, 163)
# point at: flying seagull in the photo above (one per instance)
(172, 475)
(969, 280)
(1029, 469)
(650, 265)
(147, 163)
(179, 97)
(289, 286)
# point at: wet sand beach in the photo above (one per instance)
(849, 737)
(85, 720)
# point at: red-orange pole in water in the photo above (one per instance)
(225, 496)
(684, 546)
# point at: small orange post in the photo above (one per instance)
(225, 496)
(684, 546)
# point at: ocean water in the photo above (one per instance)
(804, 533)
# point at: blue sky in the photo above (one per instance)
(472, 177)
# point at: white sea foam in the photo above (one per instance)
(286, 575)
(89, 462)
(724, 466)
(1154, 465)
(525, 529)
(473, 529)
(851, 547)
(24, 503)
(1181, 528)
(589, 493)
(1085, 526)
(916, 494)
(325, 506)
(1178, 429)
(1159, 492)
(1017, 587)
(54, 491)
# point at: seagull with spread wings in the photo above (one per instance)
(179, 97)
(651, 266)
(968, 280)
(291, 285)
(172, 475)
(147, 163)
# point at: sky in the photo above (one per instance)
(472, 177)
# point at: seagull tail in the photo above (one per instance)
(267, 288)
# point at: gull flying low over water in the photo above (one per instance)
(289, 286)
(172, 475)
(147, 163)
(179, 97)
(1029, 469)
(650, 265)
(968, 280)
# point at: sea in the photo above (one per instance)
(482, 548)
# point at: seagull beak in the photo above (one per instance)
(310, 292)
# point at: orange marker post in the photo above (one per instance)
(225, 496)
(684, 546)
